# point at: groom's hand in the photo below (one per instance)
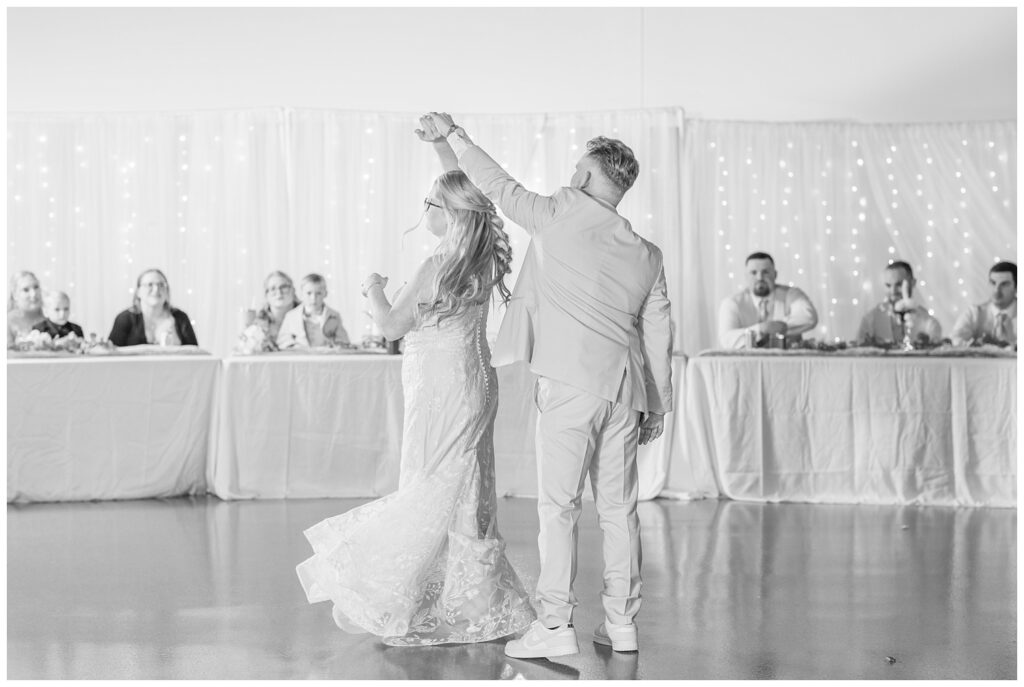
(651, 428)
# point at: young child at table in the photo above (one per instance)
(57, 309)
(313, 324)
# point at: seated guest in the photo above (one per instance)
(313, 324)
(888, 321)
(151, 319)
(57, 308)
(263, 325)
(24, 305)
(996, 319)
(764, 308)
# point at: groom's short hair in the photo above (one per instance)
(616, 159)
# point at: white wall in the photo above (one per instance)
(865, 64)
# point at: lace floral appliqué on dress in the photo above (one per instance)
(425, 564)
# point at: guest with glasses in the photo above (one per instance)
(151, 319)
(426, 564)
(262, 326)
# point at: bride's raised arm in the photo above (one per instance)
(430, 134)
(395, 320)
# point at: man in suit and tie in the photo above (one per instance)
(590, 314)
(764, 308)
(994, 321)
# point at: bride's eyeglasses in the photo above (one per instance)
(427, 204)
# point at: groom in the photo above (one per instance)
(591, 315)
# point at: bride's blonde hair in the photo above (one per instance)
(475, 253)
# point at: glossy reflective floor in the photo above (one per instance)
(200, 588)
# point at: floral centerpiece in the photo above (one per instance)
(987, 339)
(36, 341)
(256, 339)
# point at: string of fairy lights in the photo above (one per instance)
(221, 199)
(835, 203)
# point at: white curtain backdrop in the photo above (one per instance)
(219, 199)
(834, 203)
(95, 199)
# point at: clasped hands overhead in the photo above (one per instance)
(436, 126)
(433, 127)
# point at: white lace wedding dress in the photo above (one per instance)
(425, 564)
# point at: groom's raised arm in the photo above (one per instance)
(527, 209)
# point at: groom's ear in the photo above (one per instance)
(585, 181)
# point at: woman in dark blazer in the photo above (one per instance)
(151, 319)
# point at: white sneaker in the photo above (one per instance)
(540, 642)
(618, 637)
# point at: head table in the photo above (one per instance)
(858, 426)
(331, 425)
(113, 427)
(855, 426)
(251, 426)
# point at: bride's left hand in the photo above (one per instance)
(442, 121)
(429, 132)
(373, 280)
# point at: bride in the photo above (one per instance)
(425, 564)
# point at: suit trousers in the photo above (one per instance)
(580, 434)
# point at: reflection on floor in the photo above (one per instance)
(200, 588)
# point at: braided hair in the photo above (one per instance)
(476, 254)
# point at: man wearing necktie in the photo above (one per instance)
(994, 321)
(763, 307)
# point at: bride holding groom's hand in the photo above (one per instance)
(426, 564)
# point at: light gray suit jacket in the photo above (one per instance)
(590, 308)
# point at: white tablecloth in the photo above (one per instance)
(822, 429)
(320, 426)
(108, 428)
